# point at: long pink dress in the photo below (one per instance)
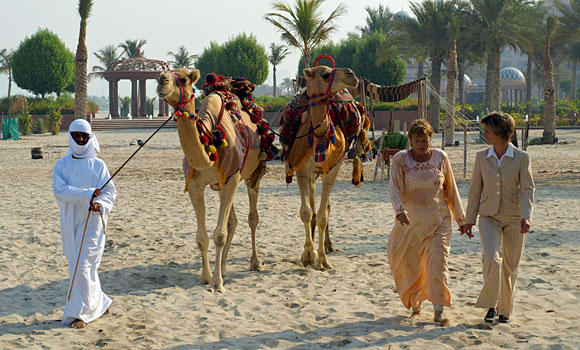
(418, 252)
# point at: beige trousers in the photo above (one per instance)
(500, 267)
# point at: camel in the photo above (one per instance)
(222, 146)
(321, 114)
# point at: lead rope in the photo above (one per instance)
(181, 104)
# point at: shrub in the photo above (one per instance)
(54, 120)
(18, 105)
(25, 122)
(38, 126)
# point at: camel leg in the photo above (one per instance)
(232, 224)
(327, 242)
(196, 195)
(253, 220)
(306, 185)
(322, 216)
(220, 234)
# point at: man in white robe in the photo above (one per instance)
(77, 178)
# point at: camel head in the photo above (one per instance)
(319, 78)
(169, 82)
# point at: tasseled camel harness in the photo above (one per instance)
(235, 95)
(341, 110)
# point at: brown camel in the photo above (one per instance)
(222, 146)
(332, 121)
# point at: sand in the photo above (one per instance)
(151, 266)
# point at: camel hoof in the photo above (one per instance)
(309, 257)
(329, 248)
(256, 265)
(206, 278)
(323, 265)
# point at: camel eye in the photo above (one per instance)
(183, 80)
(326, 76)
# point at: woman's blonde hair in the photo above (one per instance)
(420, 127)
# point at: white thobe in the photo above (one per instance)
(74, 181)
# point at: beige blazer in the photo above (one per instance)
(507, 190)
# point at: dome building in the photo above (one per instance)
(513, 85)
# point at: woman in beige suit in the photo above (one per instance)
(502, 192)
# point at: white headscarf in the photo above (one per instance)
(90, 149)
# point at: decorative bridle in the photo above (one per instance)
(214, 139)
(317, 99)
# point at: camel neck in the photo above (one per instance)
(317, 117)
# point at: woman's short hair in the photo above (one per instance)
(420, 127)
(502, 124)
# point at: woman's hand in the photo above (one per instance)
(525, 226)
(403, 218)
(466, 229)
(97, 193)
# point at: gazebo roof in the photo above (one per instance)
(136, 68)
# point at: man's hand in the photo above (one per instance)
(403, 218)
(96, 207)
(525, 226)
(97, 193)
(466, 229)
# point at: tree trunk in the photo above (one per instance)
(436, 82)
(274, 74)
(529, 85)
(450, 97)
(549, 98)
(9, 88)
(461, 82)
(420, 69)
(574, 79)
(556, 73)
(81, 59)
(492, 79)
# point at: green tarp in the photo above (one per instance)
(10, 129)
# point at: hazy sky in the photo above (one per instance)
(165, 25)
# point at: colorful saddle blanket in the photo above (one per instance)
(344, 111)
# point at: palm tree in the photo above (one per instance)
(497, 21)
(303, 26)
(277, 54)
(182, 58)
(378, 20)
(286, 86)
(106, 56)
(549, 96)
(570, 26)
(133, 48)
(81, 61)
(6, 67)
(433, 29)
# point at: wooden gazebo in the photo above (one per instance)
(138, 70)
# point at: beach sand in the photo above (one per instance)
(151, 266)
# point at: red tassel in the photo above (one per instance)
(213, 157)
(230, 105)
(203, 139)
(289, 179)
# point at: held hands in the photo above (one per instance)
(97, 193)
(525, 226)
(466, 229)
(403, 218)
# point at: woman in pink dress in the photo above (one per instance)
(423, 195)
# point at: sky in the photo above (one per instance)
(165, 25)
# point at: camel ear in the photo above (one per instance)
(194, 76)
(308, 73)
